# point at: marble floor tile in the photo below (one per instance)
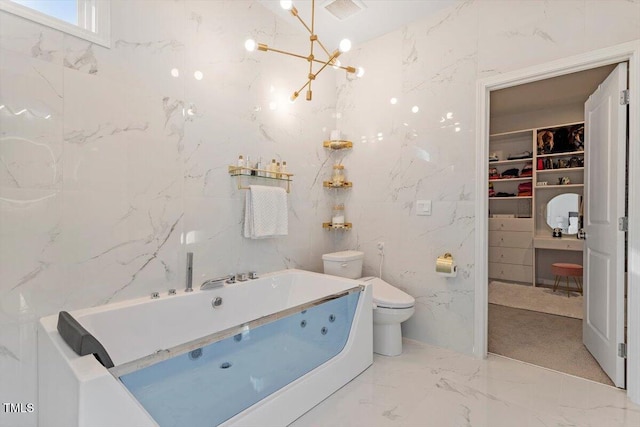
(430, 386)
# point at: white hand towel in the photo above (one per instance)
(266, 213)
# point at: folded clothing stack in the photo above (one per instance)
(493, 173)
(527, 170)
(524, 189)
(510, 173)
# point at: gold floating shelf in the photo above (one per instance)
(328, 225)
(329, 184)
(240, 171)
(337, 144)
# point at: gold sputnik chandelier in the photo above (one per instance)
(332, 58)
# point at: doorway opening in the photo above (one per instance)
(624, 52)
(536, 182)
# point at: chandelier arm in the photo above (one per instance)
(305, 85)
(312, 39)
(283, 52)
(313, 16)
(323, 48)
(311, 32)
(325, 65)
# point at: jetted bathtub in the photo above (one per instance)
(261, 352)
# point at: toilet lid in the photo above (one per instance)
(385, 295)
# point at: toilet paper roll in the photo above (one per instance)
(445, 266)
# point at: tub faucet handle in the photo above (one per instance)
(253, 275)
(231, 279)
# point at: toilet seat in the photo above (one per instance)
(387, 296)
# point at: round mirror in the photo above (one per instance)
(563, 212)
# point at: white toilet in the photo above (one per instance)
(391, 306)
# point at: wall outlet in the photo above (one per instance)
(423, 207)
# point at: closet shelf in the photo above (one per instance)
(511, 162)
(550, 187)
(244, 172)
(514, 197)
(559, 170)
(525, 178)
(507, 136)
(565, 154)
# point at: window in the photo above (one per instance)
(87, 19)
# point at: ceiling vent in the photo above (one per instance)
(343, 9)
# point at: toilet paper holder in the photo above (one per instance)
(445, 266)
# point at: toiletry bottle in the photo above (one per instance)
(337, 219)
(240, 161)
(273, 168)
(248, 164)
(283, 170)
(278, 170)
(337, 179)
(259, 166)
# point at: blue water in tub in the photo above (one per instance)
(210, 385)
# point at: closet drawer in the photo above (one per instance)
(518, 273)
(511, 239)
(511, 255)
(511, 224)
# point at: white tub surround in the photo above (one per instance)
(79, 391)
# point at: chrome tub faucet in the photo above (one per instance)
(216, 283)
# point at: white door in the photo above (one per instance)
(604, 201)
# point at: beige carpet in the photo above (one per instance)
(537, 299)
(554, 342)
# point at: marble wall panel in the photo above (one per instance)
(401, 156)
(31, 39)
(513, 36)
(608, 23)
(101, 201)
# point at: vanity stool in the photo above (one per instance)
(561, 269)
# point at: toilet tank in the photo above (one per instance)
(344, 264)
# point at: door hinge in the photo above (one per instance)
(624, 97)
(623, 224)
(622, 350)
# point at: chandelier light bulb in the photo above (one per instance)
(286, 4)
(360, 72)
(345, 45)
(336, 64)
(250, 45)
